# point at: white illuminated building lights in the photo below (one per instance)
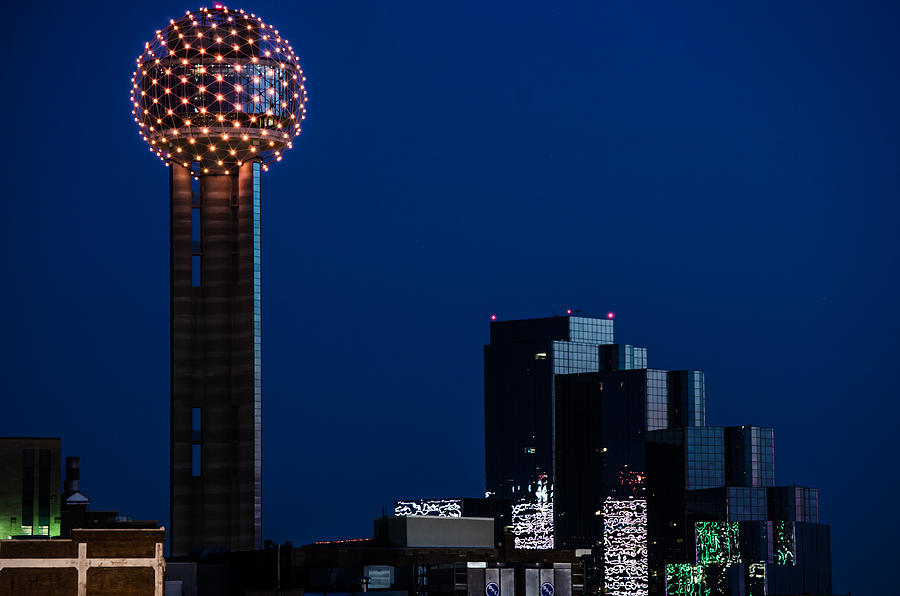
(429, 507)
(532, 518)
(218, 88)
(625, 547)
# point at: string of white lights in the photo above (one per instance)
(533, 524)
(625, 547)
(532, 518)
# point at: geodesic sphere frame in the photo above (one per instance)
(217, 88)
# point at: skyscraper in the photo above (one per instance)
(219, 95)
(520, 365)
(711, 485)
(597, 450)
(29, 487)
(602, 421)
(562, 398)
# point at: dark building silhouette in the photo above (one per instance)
(602, 420)
(29, 487)
(714, 485)
(520, 365)
(750, 456)
(564, 402)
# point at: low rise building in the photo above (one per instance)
(96, 562)
(437, 555)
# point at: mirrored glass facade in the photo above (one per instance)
(657, 392)
(688, 398)
(712, 477)
(793, 503)
(521, 363)
(622, 357)
(751, 455)
(746, 503)
(694, 456)
(590, 330)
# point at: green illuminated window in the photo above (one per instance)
(686, 580)
(717, 542)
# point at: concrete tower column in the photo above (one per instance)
(215, 420)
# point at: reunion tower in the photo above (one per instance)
(219, 95)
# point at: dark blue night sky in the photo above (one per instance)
(724, 178)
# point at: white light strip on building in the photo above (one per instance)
(430, 507)
(625, 547)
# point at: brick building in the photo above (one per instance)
(96, 562)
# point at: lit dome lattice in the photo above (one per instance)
(217, 88)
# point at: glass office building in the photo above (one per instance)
(751, 456)
(793, 503)
(564, 402)
(715, 477)
(696, 454)
(29, 487)
(602, 421)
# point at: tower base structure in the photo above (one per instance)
(216, 437)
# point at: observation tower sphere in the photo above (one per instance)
(218, 88)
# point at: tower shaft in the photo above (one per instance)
(216, 440)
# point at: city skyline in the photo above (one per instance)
(721, 179)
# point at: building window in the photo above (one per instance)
(196, 230)
(196, 424)
(196, 463)
(196, 271)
